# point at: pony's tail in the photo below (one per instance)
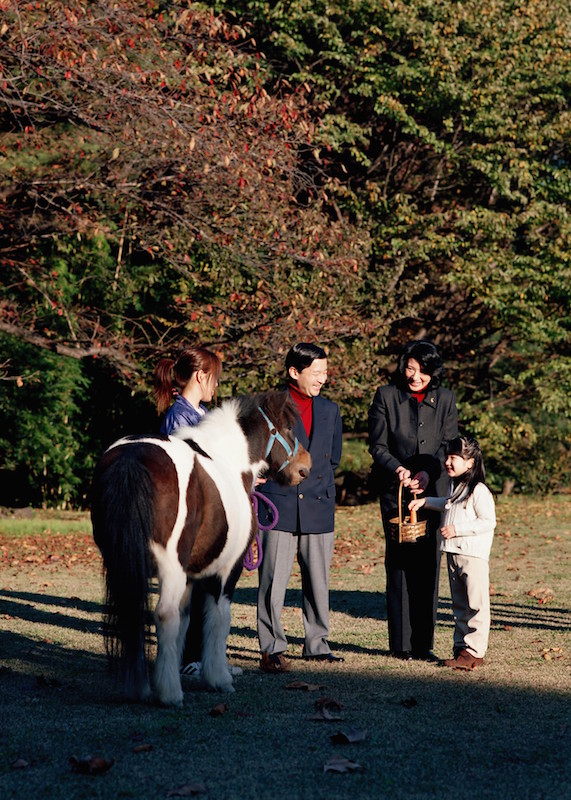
(122, 527)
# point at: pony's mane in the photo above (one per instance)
(223, 426)
(220, 423)
(278, 406)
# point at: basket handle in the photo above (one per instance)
(400, 502)
(400, 506)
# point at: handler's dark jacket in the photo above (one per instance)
(310, 507)
(403, 431)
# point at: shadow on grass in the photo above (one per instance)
(428, 730)
(373, 605)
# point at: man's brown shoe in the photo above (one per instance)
(276, 662)
(464, 660)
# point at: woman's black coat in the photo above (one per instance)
(415, 435)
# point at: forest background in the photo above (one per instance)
(247, 174)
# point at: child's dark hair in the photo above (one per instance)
(467, 447)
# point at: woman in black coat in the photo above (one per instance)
(410, 422)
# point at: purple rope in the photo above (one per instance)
(249, 562)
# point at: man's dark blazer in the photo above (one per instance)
(310, 507)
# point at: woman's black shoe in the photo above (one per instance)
(403, 655)
(426, 656)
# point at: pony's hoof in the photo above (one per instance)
(173, 702)
(172, 697)
(225, 687)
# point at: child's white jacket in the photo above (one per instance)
(474, 520)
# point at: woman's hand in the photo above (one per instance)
(403, 474)
(448, 531)
(418, 484)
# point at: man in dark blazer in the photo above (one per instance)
(306, 519)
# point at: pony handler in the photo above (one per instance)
(180, 507)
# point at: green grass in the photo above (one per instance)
(500, 732)
(39, 525)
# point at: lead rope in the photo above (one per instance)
(251, 563)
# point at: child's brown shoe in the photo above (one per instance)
(464, 660)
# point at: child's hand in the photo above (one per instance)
(448, 531)
(417, 503)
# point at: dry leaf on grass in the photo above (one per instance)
(19, 763)
(324, 715)
(91, 766)
(327, 710)
(543, 594)
(552, 653)
(306, 687)
(143, 748)
(328, 702)
(341, 765)
(348, 736)
(218, 710)
(188, 790)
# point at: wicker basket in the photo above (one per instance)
(403, 530)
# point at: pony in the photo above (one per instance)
(179, 507)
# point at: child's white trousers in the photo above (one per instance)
(470, 590)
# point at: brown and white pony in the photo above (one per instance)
(180, 507)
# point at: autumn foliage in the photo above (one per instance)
(246, 176)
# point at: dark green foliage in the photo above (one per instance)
(355, 173)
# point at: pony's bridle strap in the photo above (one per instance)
(275, 435)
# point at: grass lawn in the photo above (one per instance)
(413, 730)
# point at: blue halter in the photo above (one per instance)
(276, 435)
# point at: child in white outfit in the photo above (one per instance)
(466, 533)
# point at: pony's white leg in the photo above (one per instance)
(184, 621)
(217, 620)
(172, 587)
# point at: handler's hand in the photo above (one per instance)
(448, 531)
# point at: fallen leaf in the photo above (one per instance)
(349, 736)
(329, 703)
(409, 702)
(341, 765)
(306, 687)
(552, 653)
(91, 766)
(19, 763)
(324, 715)
(187, 790)
(143, 748)
(543, 594)
(218, 710)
